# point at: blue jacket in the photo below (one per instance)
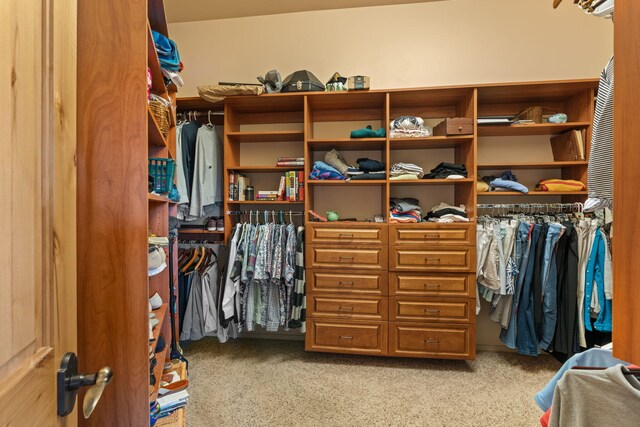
(595, 274)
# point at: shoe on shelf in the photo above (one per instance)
(154, 322)
(151, 338)
(159, 241)
(219, 225)
(155, 301)
(173, 387)
(211, 224)
(156, 258)
(161, 344)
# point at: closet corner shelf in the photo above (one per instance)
(264, 169)
(156, 198)
(431, 181)
(160, 315)
(530, 130)
(532, 193)
(155, 136)
(346, 183)
(263, 202)
(532, 165)
(275, 136)
(348, 143)
(157, 371)
(429, 142)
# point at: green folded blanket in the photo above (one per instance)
(368, 132)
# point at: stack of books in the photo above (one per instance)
(238, 183)
(290, 161)
(291, 187)
(171, 402)
(569, 146)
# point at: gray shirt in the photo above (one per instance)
(596, 398)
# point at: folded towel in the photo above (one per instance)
(404, 177)
(552, 185)
(508, 185)
(321, 170)
(334, 158)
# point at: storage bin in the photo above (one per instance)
(162, 172)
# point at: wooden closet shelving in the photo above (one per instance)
(266, 169)
(408, 288)
(156, 198)
(161, 314)
(532, 193)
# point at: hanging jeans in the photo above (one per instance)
(526, 339)
(595, 277)
(586, 234)
(523, 246)
(549, 287)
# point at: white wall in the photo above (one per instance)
(425, 44)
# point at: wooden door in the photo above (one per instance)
(37, 206)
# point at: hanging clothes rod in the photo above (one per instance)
(270, 211)
(532, 207)
(190, 244)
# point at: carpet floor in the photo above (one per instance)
(276, 383)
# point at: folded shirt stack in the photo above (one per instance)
(367, 170)
(552, 185)
(409, 127)
(446, 213)
(405, 171)
(405, 210)
(334, 159)
(505, 182)
(368, 132)
(321, 171)
(448, 171)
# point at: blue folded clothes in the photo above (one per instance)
(321, 170)
(511, 185)
(167, 52)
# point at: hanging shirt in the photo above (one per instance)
(206, 187)
(181, 180)
(600, 171)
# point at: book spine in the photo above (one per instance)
(296, 185)
(287, 193)
(232, 180)
(281, 188)
(292, 163)
(292, 187)
(301, 186)
(241, 187)
(290, 159)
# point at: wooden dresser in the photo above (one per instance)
(391, 290)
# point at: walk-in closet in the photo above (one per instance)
(380, 213)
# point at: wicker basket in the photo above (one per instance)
(534, 113)
(161, 114)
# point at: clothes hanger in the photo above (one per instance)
(211, 125)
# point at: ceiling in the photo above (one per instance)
(204, 10)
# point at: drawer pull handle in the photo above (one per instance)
(432, 285)
(345, 235)
(349, 258)
(345, 338)
(342, 308)
(431, 311)
(435, 260)
(345, 283)
(431, 236)
(431, 341)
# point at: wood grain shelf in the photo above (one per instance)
(157, 371)
(532, 193)
(155, 136)
(263, 202)
(532, 165)
(156, 198)
(432, 181)
(348, 143)
(530, 130)
(199, 231)
(276, 136)
(346, 183)
(265, 169)
(429, 142)
(160, 315)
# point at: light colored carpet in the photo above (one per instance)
(276, 383)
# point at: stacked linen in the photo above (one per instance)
(368, 169)
(445, 213)
(405, 171)
(409, 127)
(505, 182)
(322, 171)
(448, 171)
(405, 210)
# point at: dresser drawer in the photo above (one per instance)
(440, 234)
(357, 234)
(426, 284)
(360, 308)
(433, 341)
(335, 336)
(459, 310)
(347, 257)
(348, 282)
(426, 259)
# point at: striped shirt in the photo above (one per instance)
(600, 177)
